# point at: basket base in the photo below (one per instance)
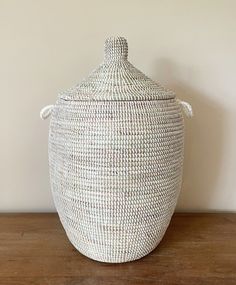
(114, 260)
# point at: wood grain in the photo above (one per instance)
(197, 249)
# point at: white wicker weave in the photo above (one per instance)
(116, 154)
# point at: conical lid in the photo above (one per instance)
(116, 79)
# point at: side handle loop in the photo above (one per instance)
(187, 108)
(46, 112)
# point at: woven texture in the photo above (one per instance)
(116, 154)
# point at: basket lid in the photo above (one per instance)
(116, 79)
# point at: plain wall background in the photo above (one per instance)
(49, 45)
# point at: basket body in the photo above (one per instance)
(116, 169)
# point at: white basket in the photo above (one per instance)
(116, 154)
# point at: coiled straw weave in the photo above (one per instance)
(116, 154)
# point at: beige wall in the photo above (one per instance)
(48, 45)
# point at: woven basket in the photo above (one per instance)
(116, 154)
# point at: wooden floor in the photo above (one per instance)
(197, 249)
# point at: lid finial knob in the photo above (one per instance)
(116, 48)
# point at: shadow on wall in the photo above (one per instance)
(204, 141)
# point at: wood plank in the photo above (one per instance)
(197, 249)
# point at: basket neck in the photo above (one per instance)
(115, 49)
